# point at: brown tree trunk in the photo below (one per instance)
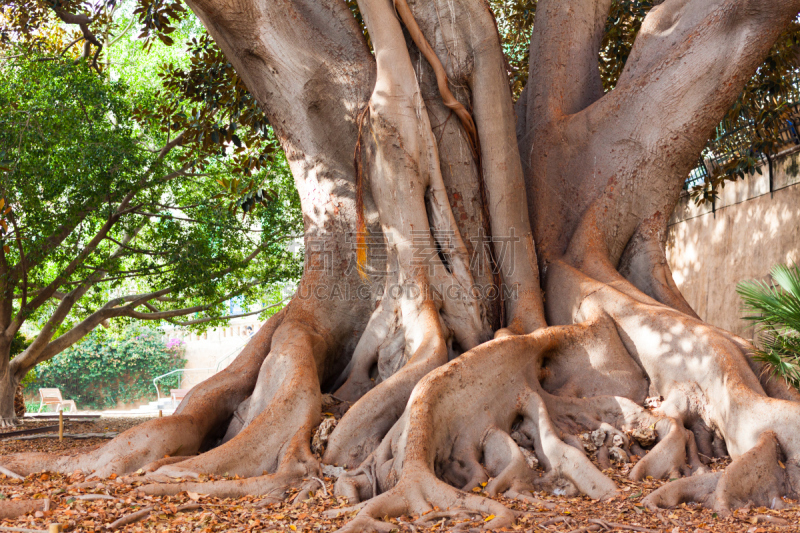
(430, 213)
(8, 388)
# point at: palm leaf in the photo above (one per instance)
(775, 310)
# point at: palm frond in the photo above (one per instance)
(775, 310)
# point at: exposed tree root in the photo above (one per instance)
(283, 411)
(757, 479)
(519, 413)
(8, 473)
(14, 508)
(415, 496)
(132, 518)
(446, 431)
(366, 423)
(625, 527)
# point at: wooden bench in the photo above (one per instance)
(178, 395)
(53, 397)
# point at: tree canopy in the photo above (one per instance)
(755, 125)
(110, 211)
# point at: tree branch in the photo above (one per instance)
(688, 65)
(22, 261)
(228, 317)
(69, 300)
(564, 54)
(171, 144)
(82, 21)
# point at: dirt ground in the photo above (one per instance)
(94, 506)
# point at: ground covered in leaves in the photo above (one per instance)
(107, 504)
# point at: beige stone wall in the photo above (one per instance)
(750, 230)
(215, 349)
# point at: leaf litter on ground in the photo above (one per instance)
(96, 505)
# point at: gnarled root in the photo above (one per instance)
(447, 429)
(668, 459)
(419, 494)
(754, 479)
(10, 422)
(283, 410)
(366, 423)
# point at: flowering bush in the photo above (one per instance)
(105, 370)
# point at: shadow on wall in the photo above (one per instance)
(751, 229)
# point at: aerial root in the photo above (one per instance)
(756, 478)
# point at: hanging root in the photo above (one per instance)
(456, 436)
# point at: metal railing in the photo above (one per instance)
(233, 353)
(182, 371)
(738, 144)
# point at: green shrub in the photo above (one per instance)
(776, 313)
(104, 370)
(33, 407)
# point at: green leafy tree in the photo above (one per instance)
(775, 310)
(109, 217)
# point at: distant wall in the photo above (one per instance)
(215, 349)
(749, 230)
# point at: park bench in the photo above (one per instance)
(178, 395)
(53, 397)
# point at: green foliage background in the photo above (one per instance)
(106, 369)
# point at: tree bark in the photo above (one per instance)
(8, 387)
(410, 151)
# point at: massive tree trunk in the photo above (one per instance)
(463, 349)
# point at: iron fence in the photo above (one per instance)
(738, 144)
